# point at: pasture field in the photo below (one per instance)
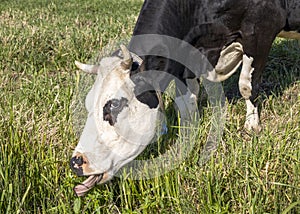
(39, 42)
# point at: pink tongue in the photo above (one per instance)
(88, 184)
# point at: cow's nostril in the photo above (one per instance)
(78, 160)
(76, 165)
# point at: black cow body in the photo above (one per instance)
(211, 25)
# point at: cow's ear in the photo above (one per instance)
(149, 98)
(144, 90)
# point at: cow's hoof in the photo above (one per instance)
(251, 127)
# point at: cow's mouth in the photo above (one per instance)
(88, 184)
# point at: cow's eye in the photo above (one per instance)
(112, 108)
(115, 103)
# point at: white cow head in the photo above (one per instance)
(118, 125)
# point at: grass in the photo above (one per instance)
(39, 41)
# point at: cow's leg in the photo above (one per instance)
(186, 99)
(245, 85)
(252, 117)
(187, 105)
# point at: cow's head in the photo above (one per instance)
(119, 125)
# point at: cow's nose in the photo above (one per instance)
(76, 164)
(78, 160)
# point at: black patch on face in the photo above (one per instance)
(144, 91)
(112, 109)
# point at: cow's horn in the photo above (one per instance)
(90, 69)
(127, 59)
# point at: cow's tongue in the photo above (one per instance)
(88, 184)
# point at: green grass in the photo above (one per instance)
(39, 41)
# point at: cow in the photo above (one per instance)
(231, 34)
